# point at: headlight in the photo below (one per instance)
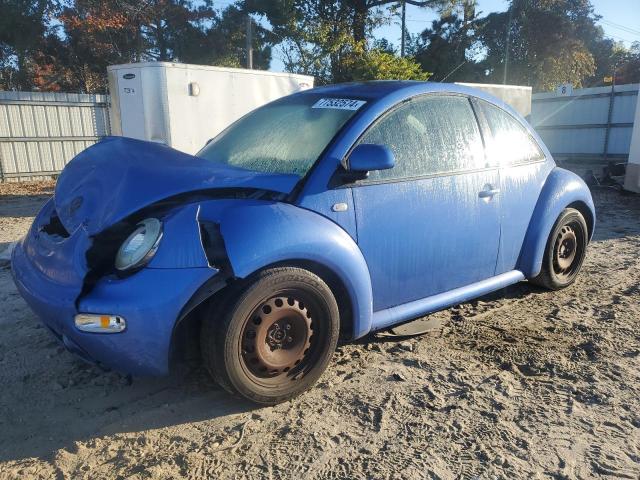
(140, 246)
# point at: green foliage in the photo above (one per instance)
(539, 43)
(381, 65)
(449, 49)
(69, 47)
(628, 64)
(610, 56)
(327, 39)
(23, 31)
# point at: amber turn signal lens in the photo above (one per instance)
(92, 323)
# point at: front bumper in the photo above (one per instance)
(150, 300)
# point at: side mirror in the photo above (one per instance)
(366, 157)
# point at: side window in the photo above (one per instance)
(509, 143)
(428, 135)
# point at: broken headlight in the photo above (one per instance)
(140, 246)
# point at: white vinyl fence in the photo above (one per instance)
(591, 124)
(41, 132)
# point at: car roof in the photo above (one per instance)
(380, 88)
(391, 91)
(371, 90)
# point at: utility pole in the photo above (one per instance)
(403, 39)
(249, 45)
(612, 98)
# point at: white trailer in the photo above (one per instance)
(632, 177)
(183, 105)
(516, 96)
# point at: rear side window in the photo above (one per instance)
(509, 143)
(428, 135)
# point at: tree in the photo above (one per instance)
(314, 37)
(539, 43)
(628, 68)
(449, 48)
(225, 41)
(97, 33)
(23, 29)
(323, 38)
(381, 65)
(613, 56)
(362, 10)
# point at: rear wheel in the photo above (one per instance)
(564, 252)
(273, 340)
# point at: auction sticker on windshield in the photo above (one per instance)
(339, 103)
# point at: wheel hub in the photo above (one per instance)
(277, 336)
(565, 248)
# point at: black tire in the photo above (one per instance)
(564, 252)
(272, 339)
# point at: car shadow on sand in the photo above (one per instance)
(50, 400)
(79, 412)
(55, 400)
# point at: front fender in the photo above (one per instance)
(561, 189)
(180, 246)
(259, 233)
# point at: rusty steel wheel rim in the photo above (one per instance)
(276, 339)
(567, 251)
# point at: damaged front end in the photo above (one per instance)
(120, 248)
(71, 280)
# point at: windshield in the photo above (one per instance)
(286, 136)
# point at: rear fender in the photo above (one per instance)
(561, 189)
(258, 234)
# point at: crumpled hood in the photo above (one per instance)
(119, 176)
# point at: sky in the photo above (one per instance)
(620, 20)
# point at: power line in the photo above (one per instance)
(611, 24)
(619, 38)
(621, 27)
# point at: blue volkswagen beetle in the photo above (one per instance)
(339, 210)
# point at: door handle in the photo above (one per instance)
(490, 193)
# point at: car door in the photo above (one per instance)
(431, 223)
(523, 171)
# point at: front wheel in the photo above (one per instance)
(564, 252)
(273, 340)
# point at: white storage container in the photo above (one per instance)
(517, 97)
(184, 105)
(632, 178)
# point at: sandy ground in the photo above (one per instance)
(521, 384)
